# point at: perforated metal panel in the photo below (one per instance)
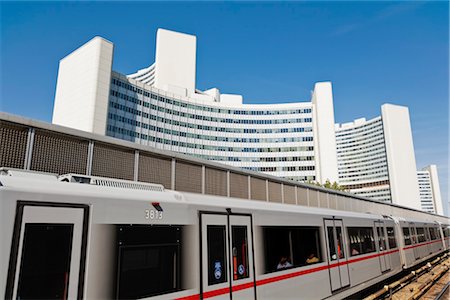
(188, 177)
(109, 161)
(323, 200)
(13, 147)
(155, 169)
(348, 204)
(302, 196)
(238, 185)
(258, 189)
(275, 192)
(333, 203)
(289, 194)
(58, 153)
(341, 202)
(313, 198)
(215, 182)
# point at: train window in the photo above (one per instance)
(420, 234)
(148, 260)
(391, 237)
(240, 252)
(217, 267)
(361, 240)
(407, 236)
(413, 235)
(446, 231)
(287, 247)
(381, 238)
(331, 244)
(340, 240)
(433, 233)
(44, 272)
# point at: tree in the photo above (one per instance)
(328, 185)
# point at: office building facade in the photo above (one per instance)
(430, 193)
(159, 106)
(376, 157)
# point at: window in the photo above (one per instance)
(361, 240)
(217, 267)
(148, 260)
(420, 234)
(381, 238)
(391, 237)
(407, 236)
(333, 253)
(287, 247)
(46, 256)
(240, 252)
(331, 243)
(433, 233)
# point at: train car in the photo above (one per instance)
(76, 236)
(445, 233)
(420, 241)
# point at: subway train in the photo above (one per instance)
(84, 237)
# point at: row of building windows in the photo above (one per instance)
(280, 169)
(137, 90)
(365, 185)
(365, 175)
(208, 137)
(113, 130)
(365, 149)
(358, 170)
(363, 142)
(357, 136)
(195, 126)
(208, 118)
(360, 128)
(375, 154)
(254, 159)
(380, 158)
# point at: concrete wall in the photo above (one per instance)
(324, 135)
(400, 156)
(82, 89)
(175, 62)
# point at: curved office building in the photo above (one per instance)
(362, 160)
(159, 106)
(376, 157)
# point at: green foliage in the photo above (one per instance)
(328, 185)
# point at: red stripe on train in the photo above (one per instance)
(264, 281)
(421, 244)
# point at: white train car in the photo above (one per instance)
(103, 239)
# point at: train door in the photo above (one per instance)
(227, 256)
(241, 257)
(428, 240)
(414, 240)
(50, 247)
(382, 247)
(337, 256)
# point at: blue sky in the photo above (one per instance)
(373, 52)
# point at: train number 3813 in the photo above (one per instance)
(151, 214)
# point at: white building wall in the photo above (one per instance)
(82, 90)
(435, 188)
(400, 155)
(175, 62)
(324, 135)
